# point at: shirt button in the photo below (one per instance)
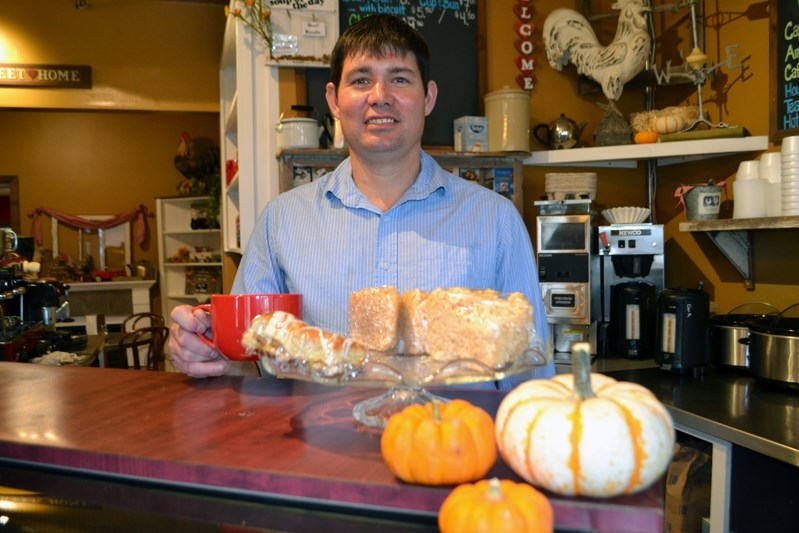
(384, 266)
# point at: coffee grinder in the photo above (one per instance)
(568, 272)
(631, 270)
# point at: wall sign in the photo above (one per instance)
(784, 60)
(50, 76)
(524, 28)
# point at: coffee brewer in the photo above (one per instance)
(568, 272)
(631, 270)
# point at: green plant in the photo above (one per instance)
(256, 15)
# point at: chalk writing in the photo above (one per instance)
(417, 14)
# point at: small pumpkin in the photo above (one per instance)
(645, 137)
(585, 434)
(439, 443)
(495, 505)
(669, 123)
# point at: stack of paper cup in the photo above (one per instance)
(770, 169)
(790, 175)
(749, 191)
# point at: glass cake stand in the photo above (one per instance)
(404, 376)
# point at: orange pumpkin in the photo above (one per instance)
(495, 505)
(646, 137)
(585, 434)
(439, 443)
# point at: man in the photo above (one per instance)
(388, 215)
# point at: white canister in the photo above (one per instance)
(508, 113)
(297, 133)
(750, 198)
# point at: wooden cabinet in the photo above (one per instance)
(189, 252)
(501, 172)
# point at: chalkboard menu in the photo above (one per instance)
(451, 31)
(784, 49)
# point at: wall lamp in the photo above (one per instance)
(81, 4)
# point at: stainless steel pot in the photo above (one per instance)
(774, 349)
(726, 332)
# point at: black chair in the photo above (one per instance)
(140, 320)
(148, 342)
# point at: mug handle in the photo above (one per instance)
(208, 342)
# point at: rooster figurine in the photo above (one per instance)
(568, 37)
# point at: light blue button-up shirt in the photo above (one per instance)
(325, 240)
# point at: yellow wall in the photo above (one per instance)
(145, 54)
(106, 150)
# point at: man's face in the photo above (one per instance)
(381, 103)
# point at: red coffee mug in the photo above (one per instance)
(232, 314)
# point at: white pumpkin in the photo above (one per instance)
(669, 123)
(585, 434)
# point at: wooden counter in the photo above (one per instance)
(281, 440)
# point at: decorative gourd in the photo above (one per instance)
(585, 434)
(646, 137)
(669, 123)
(495, 505)
(439, 443)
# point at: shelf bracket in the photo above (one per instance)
(737, 247)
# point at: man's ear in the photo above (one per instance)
(430, 98)
(332, 98)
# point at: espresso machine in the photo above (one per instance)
(568, 273)
(631, 277)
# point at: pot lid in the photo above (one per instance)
(298, 121)
(775, 325)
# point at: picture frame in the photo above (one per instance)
(784, 78)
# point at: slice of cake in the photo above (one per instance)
(374, 317)
(476, 324)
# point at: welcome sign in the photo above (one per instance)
(51, 76)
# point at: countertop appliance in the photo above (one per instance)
(44, 301)
(568, 272)
(683, 330)
(631, 265)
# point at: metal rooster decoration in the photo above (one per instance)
(568, 37)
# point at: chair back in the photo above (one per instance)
(144, 343)
(140, 320)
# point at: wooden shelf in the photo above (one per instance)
(741, 224)
(628, 155)
(732, 237)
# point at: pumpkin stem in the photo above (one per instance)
(436, 411)
(581, 369)
(494, 489)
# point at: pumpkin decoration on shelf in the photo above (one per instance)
(495, 505)
(585, 434)
(439, 443)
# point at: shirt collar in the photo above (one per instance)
(340, 184)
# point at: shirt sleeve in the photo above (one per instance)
(259, 271)
(517, 271)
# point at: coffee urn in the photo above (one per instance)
(683, 330)
(633, 310)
